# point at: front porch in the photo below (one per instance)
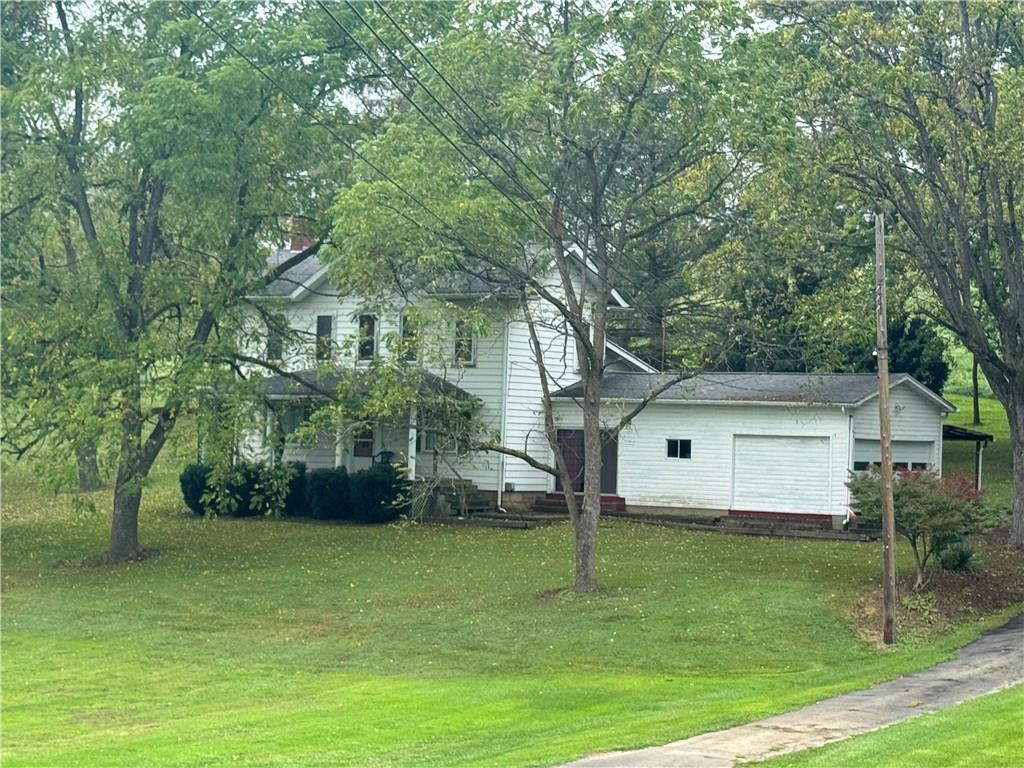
(427, 440)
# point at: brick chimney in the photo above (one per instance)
(300, 233)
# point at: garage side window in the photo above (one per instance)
(677, 449)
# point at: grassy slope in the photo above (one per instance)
(272, 643)
(984, 732)
(997, 462)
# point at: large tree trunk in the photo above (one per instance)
(1010, 392)
(124, 524)
(88, 468)
(586, 524)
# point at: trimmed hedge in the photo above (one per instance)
(379, 494)
(372, 496)
(193, 485)
(328, 494)
(296, 503)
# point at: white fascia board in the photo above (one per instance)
(630, 357)
(908, 379)
(659, 401)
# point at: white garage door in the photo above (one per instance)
(781, 474)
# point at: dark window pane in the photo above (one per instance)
(367, 337)
(465, 348)
(410, 338)
(678, 449)
(275, 345)
(362, 443)
(324, 334)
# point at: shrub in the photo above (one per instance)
(379, 494)
(328, 494)
(296, 503)
(194, 480)
(956, 556)
(243, 487)
(928, 511)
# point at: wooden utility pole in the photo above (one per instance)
(885, 435)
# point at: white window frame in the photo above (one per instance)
(360, 338)
(473, 345)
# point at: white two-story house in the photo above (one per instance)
(777, 444)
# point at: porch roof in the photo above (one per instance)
(317, 383)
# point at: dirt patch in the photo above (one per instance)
(102, 561)
(949, 597)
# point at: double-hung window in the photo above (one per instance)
(465, 344)
(366, 345)
(324, 337)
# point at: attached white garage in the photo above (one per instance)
(781, 473)
(768, 443)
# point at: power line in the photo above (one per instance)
(455, 234)
(465, 130)
(573, 236)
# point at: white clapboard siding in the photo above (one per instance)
(909, 451)
(647, 476)
(524, 419)
(775, 473)
(913, 415)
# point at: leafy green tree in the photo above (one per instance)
(929, 511)
(142, 148)
(578, 135)
(918, 107)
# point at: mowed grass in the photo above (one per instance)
(997, 459)
(981, 733)
(276, 643)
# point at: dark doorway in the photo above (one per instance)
(571, 443)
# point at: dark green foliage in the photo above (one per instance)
(378, 494)
(193, 486)
(244, 484)
(957, 556)
(296, 503)
(328, 494)
(916, 348)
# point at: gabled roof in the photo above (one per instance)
(297, 281)
(839, 389)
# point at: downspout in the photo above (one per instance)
(504, 412)
(849, 464)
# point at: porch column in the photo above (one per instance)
(338, 455)
(411, 449)
(979, 447)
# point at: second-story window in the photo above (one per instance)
(324, 336)
(275, 345)
(410, 337)
(366, 347)
(465, 343)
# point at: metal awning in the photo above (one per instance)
(949, 432)
(980, 440)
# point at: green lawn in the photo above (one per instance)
(275, 643)
(997, 462)
(981, 733)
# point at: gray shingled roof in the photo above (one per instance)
(295, 277)
(797, 388)
(315, 383)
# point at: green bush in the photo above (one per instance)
(379, 494)
(243, 485)
(194, 480)
(296, 503)
(956, 556)
(328, 494)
